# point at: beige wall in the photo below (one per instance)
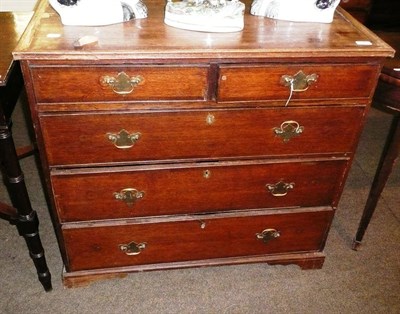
(17, 5)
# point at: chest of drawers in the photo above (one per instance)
(163, 148)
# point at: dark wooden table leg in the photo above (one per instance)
(388, 158)
(24, 217)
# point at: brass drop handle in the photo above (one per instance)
(268, 235)
(289, 129)
(132, 248)
(279, 189)
(123, 84)
(299, 82)
(129, 196)
(123, 139)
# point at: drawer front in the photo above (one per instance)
(73, 139)
(141, 191)
(108, 246)
(91, 84)
(318, 82)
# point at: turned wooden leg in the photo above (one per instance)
(388, 158)
(25, 217)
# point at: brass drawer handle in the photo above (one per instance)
(132, 248)
(123, 139)
(129, 196)
(123, 84)
(289, 129)
(299, 82)
(268, 235)
(279, 189)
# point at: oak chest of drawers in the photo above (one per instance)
(163, 148)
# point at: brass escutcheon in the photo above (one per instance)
(202, 224)
(122, 84)
(210, 119)
(289, 129)
(132, 248)
(207, 174)
(123, 139)
(299, 82)
(129, 196)
(279, 189)
(268, 234)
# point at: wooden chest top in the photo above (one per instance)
(262, 38)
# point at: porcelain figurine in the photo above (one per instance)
(98, 12)
(320, 11)
(205, 15)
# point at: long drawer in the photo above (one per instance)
(73, 139)
(188, 189)
(271, 82)
(202, 238)
(119, 83)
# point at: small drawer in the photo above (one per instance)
(74, 139)
(310, 82)
(128, 244)
(134, 83)
(83, 195)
